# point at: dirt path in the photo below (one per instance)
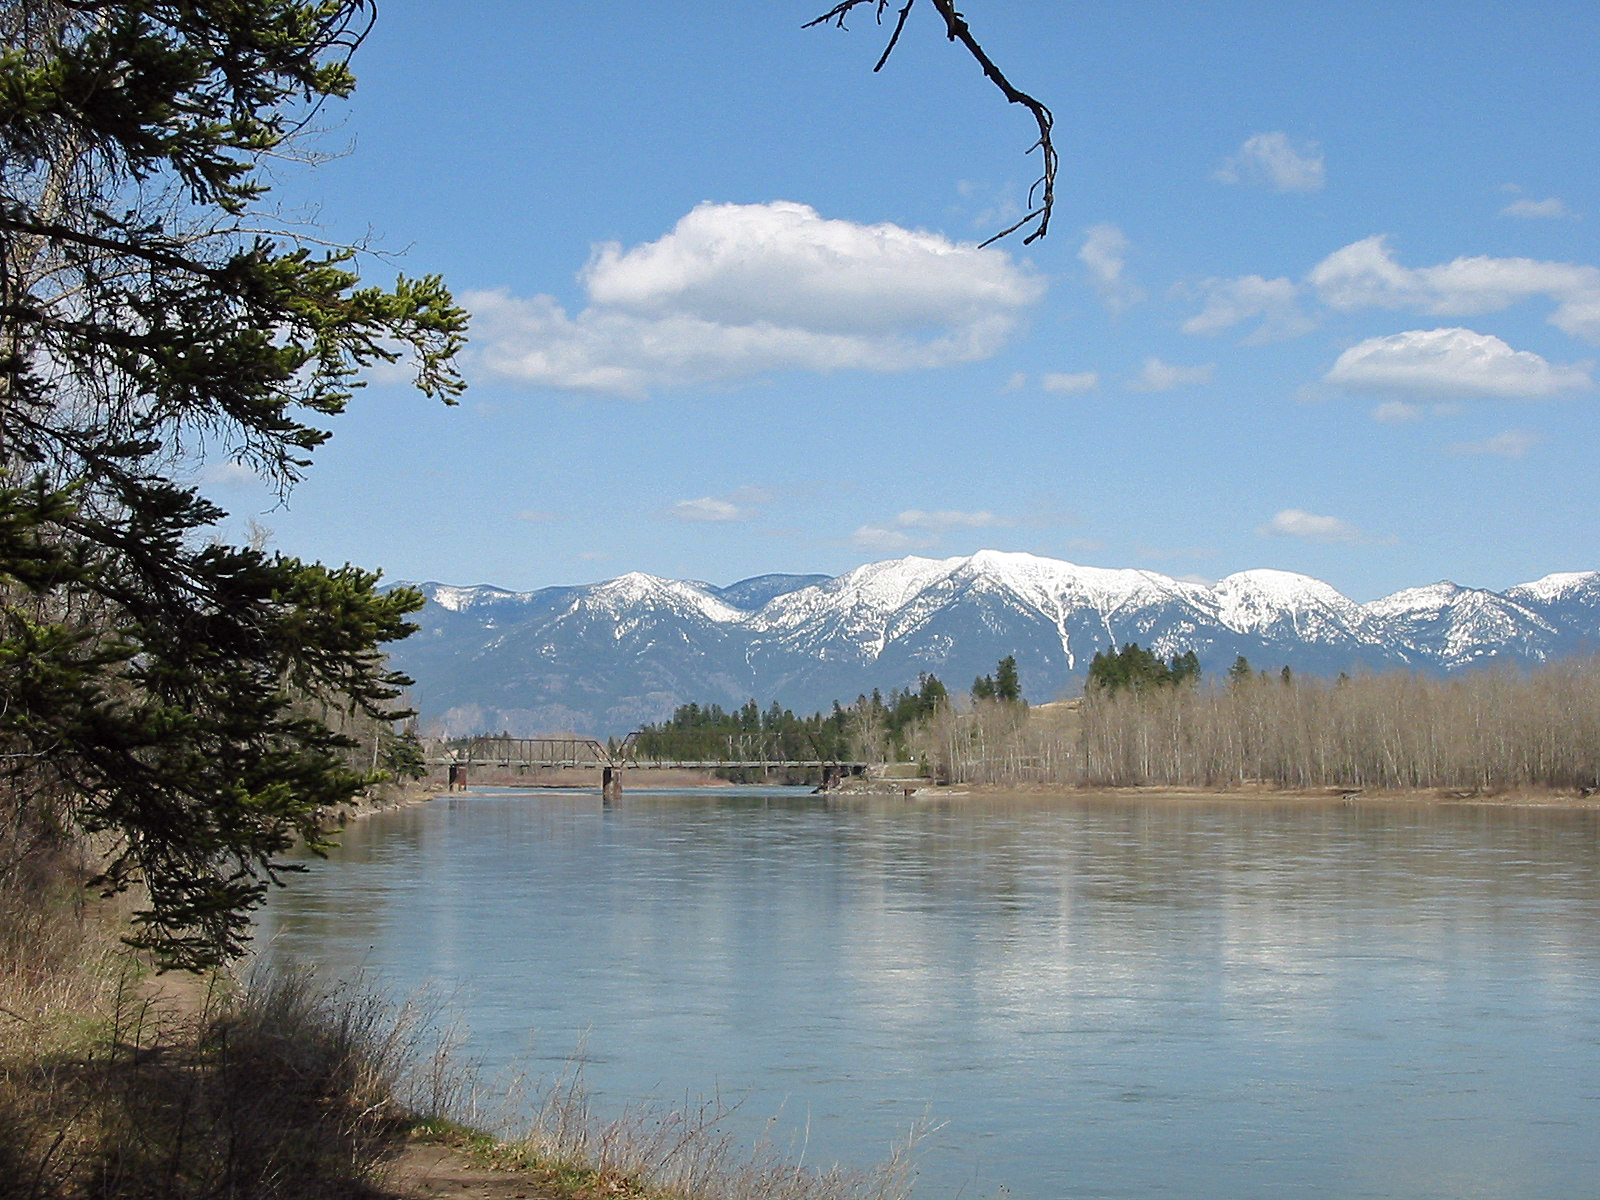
(428, 1172)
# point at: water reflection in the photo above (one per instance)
(1102, 997)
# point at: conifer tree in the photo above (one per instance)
(157, 689)
(1007, 687)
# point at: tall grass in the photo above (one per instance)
(687, 1152)
(281, 1089)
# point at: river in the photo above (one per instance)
(1097, 997)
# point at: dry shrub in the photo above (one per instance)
(688, 1153)
(280, 1088)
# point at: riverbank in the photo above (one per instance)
(1261, 792)
(925, 789)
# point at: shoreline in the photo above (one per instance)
(922, 789)
(1523, 798)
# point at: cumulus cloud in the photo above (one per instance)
(1271, 159)
(1158, 376)
(1453, 362)
(1297, 523)
(1231, 302)
(1070, 383)
(1366, 274)
(1513, 443)
(739, 290)
(1105, 252)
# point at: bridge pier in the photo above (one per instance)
(611, 784)
(458, 777)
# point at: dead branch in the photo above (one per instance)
(957, 30)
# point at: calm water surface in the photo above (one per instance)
(1100, 998)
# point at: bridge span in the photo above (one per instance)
(460, 755)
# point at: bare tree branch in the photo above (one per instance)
(957, 30)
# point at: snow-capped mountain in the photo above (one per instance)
(604, 658)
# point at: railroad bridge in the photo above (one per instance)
(460, 755)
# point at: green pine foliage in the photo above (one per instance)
(1136, 669)
(161, 691)
(709, 733)
(1003, 685)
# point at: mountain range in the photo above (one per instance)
(604, 658)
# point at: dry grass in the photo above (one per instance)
(688, 1153)
(279, 1087)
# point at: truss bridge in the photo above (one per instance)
(460, 755)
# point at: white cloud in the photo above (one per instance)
(735, 291)
(1272, 159)
(1104, 252)
(1453, 362)
(1513, 443)
(230, 477)
(1365, 274)
(1553, 208)
(1397, 412)
(917, 529)
(1297, 523)
(738, 505)
(882, 539)
(1230, 302)
(1070, 383)
(1158, 376)
(947, 519)
(710, 509)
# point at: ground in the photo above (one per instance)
(423, 1171)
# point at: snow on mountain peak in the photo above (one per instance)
(459, 599)
(1557, 586)
(1431, 597)
(1265, 601)
(637, 588)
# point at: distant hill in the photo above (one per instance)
(607, 657)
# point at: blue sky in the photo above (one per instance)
(1321, 293)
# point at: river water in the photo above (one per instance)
(1097, 997)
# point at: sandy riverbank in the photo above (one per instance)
(1249, 792)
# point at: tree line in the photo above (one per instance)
(1489, 731)
(874, 728)
(1145, 721)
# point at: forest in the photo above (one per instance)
(1143, 721)
(1494, 730)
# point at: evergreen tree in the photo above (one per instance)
(1007, 687)
(1240, 672)
(158, 689)
(1135, 668)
